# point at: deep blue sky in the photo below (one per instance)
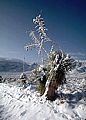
(65, 20)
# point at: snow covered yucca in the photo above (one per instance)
(57, 62)
(55, 67)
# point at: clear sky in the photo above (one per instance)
(65, 20)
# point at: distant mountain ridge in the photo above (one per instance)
(15, 65)
(81, 66)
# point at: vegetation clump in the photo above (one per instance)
(56, 64)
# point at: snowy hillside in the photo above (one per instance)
(81, 66)
(17, 103)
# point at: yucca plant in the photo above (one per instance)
(58, 64)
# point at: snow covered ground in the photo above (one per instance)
(17, 103)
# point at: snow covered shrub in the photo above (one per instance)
(58, 63)
(40, 78)
(54, 70)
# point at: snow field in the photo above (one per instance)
(25, 104)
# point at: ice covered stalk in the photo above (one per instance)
(39, 35)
